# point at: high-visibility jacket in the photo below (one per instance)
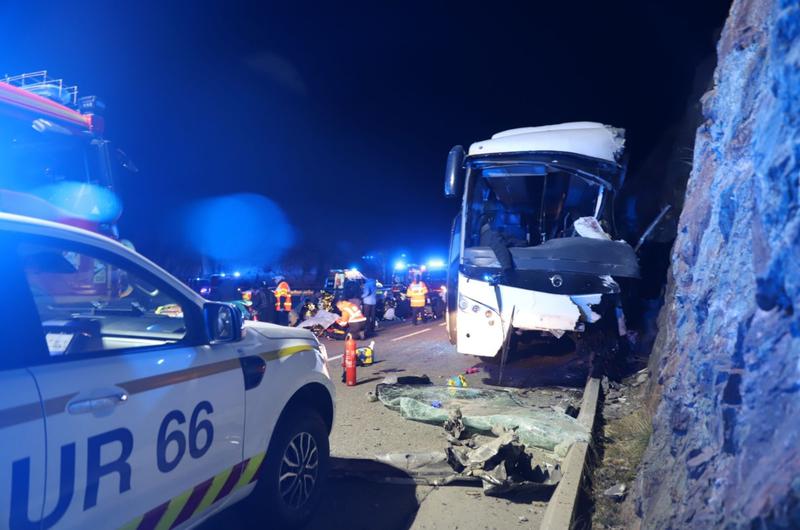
(283, 292)
(416, 292)
(350, 314)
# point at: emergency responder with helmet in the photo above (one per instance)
(352, 320)
(261, 303)
(417, 293)
(283, 300)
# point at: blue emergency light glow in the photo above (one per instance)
(399, 265)
(435, 263)
(82, 200)
(223, 274)
(237, 274)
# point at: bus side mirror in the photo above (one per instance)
(454, 174)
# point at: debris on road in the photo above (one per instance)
(486, 411)
(501, 465)
(454, 424)
(458, 381)
(407, 380)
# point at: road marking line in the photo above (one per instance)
(335, 357)
(443, 324)
(411, 334)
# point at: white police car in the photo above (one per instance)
(127, 401)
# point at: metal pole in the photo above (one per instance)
(506, 343)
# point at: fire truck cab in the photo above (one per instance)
(55, 163)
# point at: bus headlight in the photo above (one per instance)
(462, 303)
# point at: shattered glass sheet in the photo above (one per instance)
(484, 410)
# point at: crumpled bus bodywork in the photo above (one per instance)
(533, 247)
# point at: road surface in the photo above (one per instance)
(363, 429)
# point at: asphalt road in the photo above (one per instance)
(363, 429)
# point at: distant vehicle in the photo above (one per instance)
(533, 249)
(159, 408)
(55, 163)
(230, 289)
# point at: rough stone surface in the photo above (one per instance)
(725, 451)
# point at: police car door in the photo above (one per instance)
(144, 420)
(22, 440)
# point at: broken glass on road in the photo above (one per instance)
(487, 411)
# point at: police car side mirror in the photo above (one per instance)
(223, 322)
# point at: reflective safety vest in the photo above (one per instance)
(350, 314)
(283, 291)
(416, 293)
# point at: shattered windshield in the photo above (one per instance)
(528, 203)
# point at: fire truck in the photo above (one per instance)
(55, 163)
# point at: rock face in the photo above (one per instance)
(725, 451)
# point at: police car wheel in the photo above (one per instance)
(295, 473)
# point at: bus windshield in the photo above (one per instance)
(528, 203)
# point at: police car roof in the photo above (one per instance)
(31, 225)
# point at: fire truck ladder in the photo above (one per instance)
(41, 84)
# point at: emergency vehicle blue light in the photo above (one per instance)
(237, 274)
(435, 263)
(212, 227)
(223, 274)
(82, 200)
(399, 265)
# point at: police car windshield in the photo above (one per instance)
(87, 305)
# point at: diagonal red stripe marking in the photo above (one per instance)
(193, 502)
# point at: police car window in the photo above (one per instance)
(88, 305)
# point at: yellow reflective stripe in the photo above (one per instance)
(211, 494)
(133, 525)
(286, 352)
(250, 470)
(173, 510)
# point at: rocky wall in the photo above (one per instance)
(725, 451)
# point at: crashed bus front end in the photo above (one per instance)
(533, 250)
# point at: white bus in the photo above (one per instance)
(533, 249)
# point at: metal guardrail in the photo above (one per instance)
(560, 511)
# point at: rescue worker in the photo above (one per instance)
(261, 303)
(352, 320)
(417, 293)
(369, 298)
(283, 300)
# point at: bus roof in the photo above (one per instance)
(583, 138)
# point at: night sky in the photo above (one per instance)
(344, 114)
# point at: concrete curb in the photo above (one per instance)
(560, 511)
